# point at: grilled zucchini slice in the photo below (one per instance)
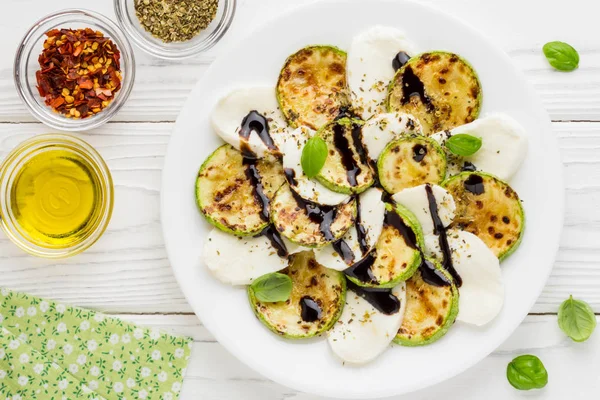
(226, 195)
(396, 255)
(309, 224)
(440, 89)
(315, 304)
(312, 88)
(488, 208)
(346, 168)
(411, 161)
(430, 308)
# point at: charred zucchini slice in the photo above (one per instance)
(440, 89)
(396, 255)
(312, 88)
(488, 208)
(346, 168)
(431, 306)
(226, 193)
(315, 304)
(411, 161)
(309, 224)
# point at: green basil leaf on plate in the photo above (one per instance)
(272, 288)
(313, 157)
(576, 318)
(561, 56)
(527, 372)
(463, 144)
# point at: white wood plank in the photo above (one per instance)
(518, 27)
(573, 368)
(128, 271)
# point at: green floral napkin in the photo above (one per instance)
(50, 351)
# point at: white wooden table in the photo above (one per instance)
(127, 272)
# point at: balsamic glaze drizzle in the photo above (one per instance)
(255, 122)
(310, 309)
(255, 179)
(419, 152)
(343, 249)
(276, 241)
(468, 166)
(412, 86)
(474, 184)
(342, 145)
(319, 214)
(391, 218)
(399, 60)
(361, 232)
(440, 230)
(357, 137)
(290, 175)
(382, 299)
(431, 275)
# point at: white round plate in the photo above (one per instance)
(311, 366)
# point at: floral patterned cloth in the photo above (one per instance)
(50, 351)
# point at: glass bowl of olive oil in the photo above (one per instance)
(56, 196)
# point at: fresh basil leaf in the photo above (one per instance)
(576, 318)
(272, 288)
(527, 372)
(463, 144)
(561, 56)
(314, 155)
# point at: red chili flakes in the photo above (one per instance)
(80, 72)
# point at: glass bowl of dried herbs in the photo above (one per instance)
(175, 29)
(74, 70)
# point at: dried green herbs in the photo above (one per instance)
(175, 20)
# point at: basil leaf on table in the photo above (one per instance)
(527, 372)
(313, 157)
(561, 56)
(576, 318)
(272, 288)
(463, 144)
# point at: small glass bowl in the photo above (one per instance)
(125, 11)
(26, 65)
(10, 170)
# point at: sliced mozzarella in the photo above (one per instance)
(372, 211)
(503, 145)
(416, 201)
(240, 260)
(306, 188)
(293, 248)
(362, 332)
(226, 118)
(369, 66)
(383, 128)
(482, 290)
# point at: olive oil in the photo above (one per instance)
(56, 198)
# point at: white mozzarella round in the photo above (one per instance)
(369, 66)
(226, 118)
(503, 145)
(372, 212)
(307, 188)
(362, 333)
(240, 260)
(416, 201)
(482, 291)
(383, 128)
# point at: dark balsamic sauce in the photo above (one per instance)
(412, 86)
(382, 299)
(419, 152)
(319, 214)
(253, 175)
(440, 230)
(345, 112)
(468, 166)
(342, 145)
(357, 139)
(276, 241)
(393, 219)
(362, 269)
(399, 60)
(431, 275)
(310, 309)
(290, 175)
(361, 232)
(343, 249)
(474, 184)
(255, 122)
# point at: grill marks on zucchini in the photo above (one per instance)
(315, 304)
(312, 88)
(490, 209)
(233, 192)
(347, 168)
(441, 89)
(307, 223)
(430, 308)
(411, 161)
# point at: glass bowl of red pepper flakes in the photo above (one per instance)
(74, 70)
